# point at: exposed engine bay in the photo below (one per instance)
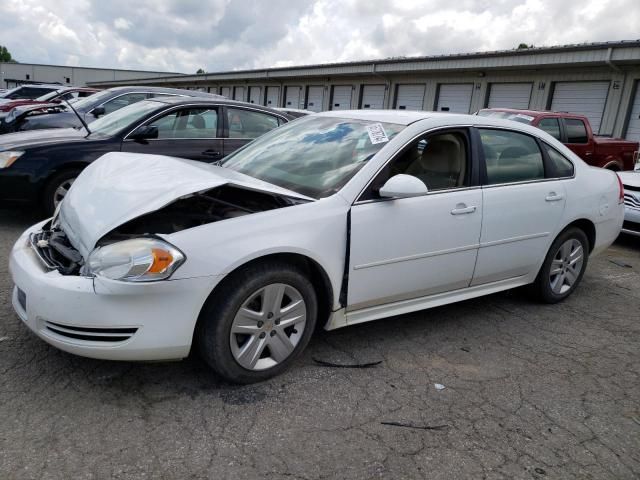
(214, 205)
(221, 203)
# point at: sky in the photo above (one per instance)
(219, 35)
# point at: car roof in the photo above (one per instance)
(216, 100)
(434, 119)
(533, 113)
(41, 85)
(175, 91)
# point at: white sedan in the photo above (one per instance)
(338, 218)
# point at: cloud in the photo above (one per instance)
(184, 35)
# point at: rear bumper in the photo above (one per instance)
(106, 319)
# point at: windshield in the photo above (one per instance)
(93, 100)
(9, 92)
(48, 96)
(114, 122)
(516, 117)
(314, 156)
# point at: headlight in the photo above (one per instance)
(137, 260)
(7, 158)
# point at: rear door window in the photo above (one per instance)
(576, 131)
(248, 123)
(188, 123)
(511, 157)
(551, 126)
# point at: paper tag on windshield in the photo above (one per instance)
(377, 134)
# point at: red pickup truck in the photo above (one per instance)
(575, 132)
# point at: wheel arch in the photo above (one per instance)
(587, 226)
(317, 275)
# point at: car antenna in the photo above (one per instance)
(84, 124)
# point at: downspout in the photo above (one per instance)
(608, 61)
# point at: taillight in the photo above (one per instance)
(621, 187)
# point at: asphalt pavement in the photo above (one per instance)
(530, 391)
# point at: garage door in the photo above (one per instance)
(509, 95)
(315, 99)
(255, 95)
(273, 96)
(238, 94)
(372, 96)
(225, 92)
(292, 96)
(586, 98)
(341, 98)
(409, 97)
(633, 130)
(455, 98)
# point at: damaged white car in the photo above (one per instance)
(335, 219)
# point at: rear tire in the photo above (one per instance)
(258, 322)
(56, 188)
(563, 267)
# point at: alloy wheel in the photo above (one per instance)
(268, 326)
(62, 191)
(566, 266)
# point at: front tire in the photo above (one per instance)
(257, 323)
(563, 267)
(56, 189)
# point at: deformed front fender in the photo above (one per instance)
(316, 230)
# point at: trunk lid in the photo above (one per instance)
(119, 187)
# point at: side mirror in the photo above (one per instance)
(403, 186)
(98, 112)
(145, 132)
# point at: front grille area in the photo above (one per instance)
(92, 334)
(631, 201)
(55, 251)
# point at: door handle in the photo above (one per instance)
(462, 209)
(211, 153)
(588, 154)
(553, 197)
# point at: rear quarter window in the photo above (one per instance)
(560, 165)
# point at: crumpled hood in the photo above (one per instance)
(119, 187)
(632, 179)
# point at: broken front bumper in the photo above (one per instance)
(100, 318)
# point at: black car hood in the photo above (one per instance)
(35, 138)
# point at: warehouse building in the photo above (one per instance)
(599, 80)
(14, 74)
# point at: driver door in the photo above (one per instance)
(407, 248)
(192, 133)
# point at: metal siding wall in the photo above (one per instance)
(614, 118)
